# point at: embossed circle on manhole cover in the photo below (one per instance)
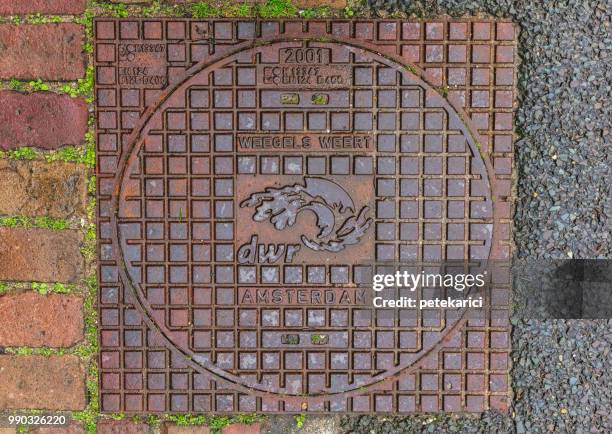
(261, 190)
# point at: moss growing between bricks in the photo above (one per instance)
(68, 154)
(88, 351)
(215, 423)
(28, 86)
(277, 8)
(35, 222)
(82, 87)
(39, 287)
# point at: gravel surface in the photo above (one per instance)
(562, 370)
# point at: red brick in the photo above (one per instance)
(39, 382)
(41, 120)
(37, 188)
(59, 7)
(170, 428)
(73, 428)
(241, 428)
(107, 426)
(34, 320)
(46, 51)
(175, 429)
(40, 255)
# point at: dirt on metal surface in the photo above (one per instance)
(252, 176)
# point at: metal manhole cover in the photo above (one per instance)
(248, 188)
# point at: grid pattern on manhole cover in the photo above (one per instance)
(249, 176)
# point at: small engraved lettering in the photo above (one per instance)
(129, 51)
(307, 75)
(302, 296)
(318, 142)
(305, 55)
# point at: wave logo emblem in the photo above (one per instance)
(337, 220)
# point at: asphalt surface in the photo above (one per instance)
(562, 369)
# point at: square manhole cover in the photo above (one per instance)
(252, 176)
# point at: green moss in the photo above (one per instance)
(308, 13)
(318, 339)
(225, 8)
(42, 288)
(24, 153)
(74, 154)
(89, 246)
(87, 47)
(38, 85)
(88, 350)
(86, 20)
(276, 8)
(412, 69)
(42, 19)
(320, 99)
(204, 10)
(69, 154)
(187, 419)
(299, 420)
(154, 8)
(15, 84)
(153, 421)
(316, 12)
(248, 419)
(28, 351)
(241, 10)
(43, 222)
(118, 10)
(37, 18)
(217, 423)
(82, 87)
(91, 185)
(443, 90)
(58, 288)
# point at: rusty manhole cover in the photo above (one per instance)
(251, 175)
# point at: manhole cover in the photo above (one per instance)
(249, 187)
